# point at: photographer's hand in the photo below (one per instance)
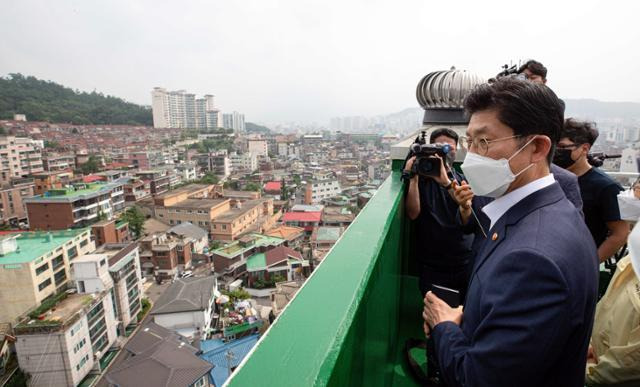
(443, 178)
(413, 195)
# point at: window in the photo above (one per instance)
(44, 284)
(41, 269)
(72, 252)
(224, 226)
(84, 243)
(60, 277)
(103, 262)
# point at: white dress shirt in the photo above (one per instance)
(501, 205)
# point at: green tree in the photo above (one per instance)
(51, 144)
(252, 187)
(136, 219)
(48, 101)
(208, 178)
(91, 166)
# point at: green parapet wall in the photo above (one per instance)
(344, 325)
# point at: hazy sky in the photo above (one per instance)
(297, 60)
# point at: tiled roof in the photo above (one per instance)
(184, 295)
(273, 186)
(302, 217)
(163, 360)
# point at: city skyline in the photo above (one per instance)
(284, 62)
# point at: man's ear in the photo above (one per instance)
(542, 147)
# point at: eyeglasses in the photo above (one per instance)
(481, 145)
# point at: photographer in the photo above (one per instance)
(599, 191)
(443, 250)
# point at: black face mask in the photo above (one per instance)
(563, 159)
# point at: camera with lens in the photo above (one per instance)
(426, 162)
(509, 72)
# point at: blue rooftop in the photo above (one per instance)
(215, 352)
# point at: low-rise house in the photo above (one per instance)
(164, 255)
(245, 217)
(278, 264)
(35, 266)
(156, 356)
(225, 357)
(187, 306)
(12, 208)
(307, 220)
(293, 236)
(324, 238)
(110, 231)
(187, 230)
(231, 259)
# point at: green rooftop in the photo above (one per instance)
(257, 262)
(238, 247)
(72, 193)
(32, 245)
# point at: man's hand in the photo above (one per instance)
(443, 178)
(409, 165)
(436, 311)
(591, 355)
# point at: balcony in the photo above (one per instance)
(347, 325)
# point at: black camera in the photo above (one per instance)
(510, 72)
(426, 164)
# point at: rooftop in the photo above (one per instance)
(257, 240)
(302, 217)
(285, 232)
(330, 234)
(80, 191)
(186, 294)
(199, 203)
(32, 245)
(218, 356)
(165, 361)
(191, 188)
(234, 213)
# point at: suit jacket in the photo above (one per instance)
(531, 300)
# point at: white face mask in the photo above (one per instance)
(633, 244)
(490, 177)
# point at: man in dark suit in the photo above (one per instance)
(529, 310)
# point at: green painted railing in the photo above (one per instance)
(347, 324)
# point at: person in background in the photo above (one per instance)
(534, 71)
(614, 352)
(599, 191)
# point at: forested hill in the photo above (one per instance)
(48, 101)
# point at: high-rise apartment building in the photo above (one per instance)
(179, 109)
(234, 121)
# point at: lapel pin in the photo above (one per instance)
(494, 236)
